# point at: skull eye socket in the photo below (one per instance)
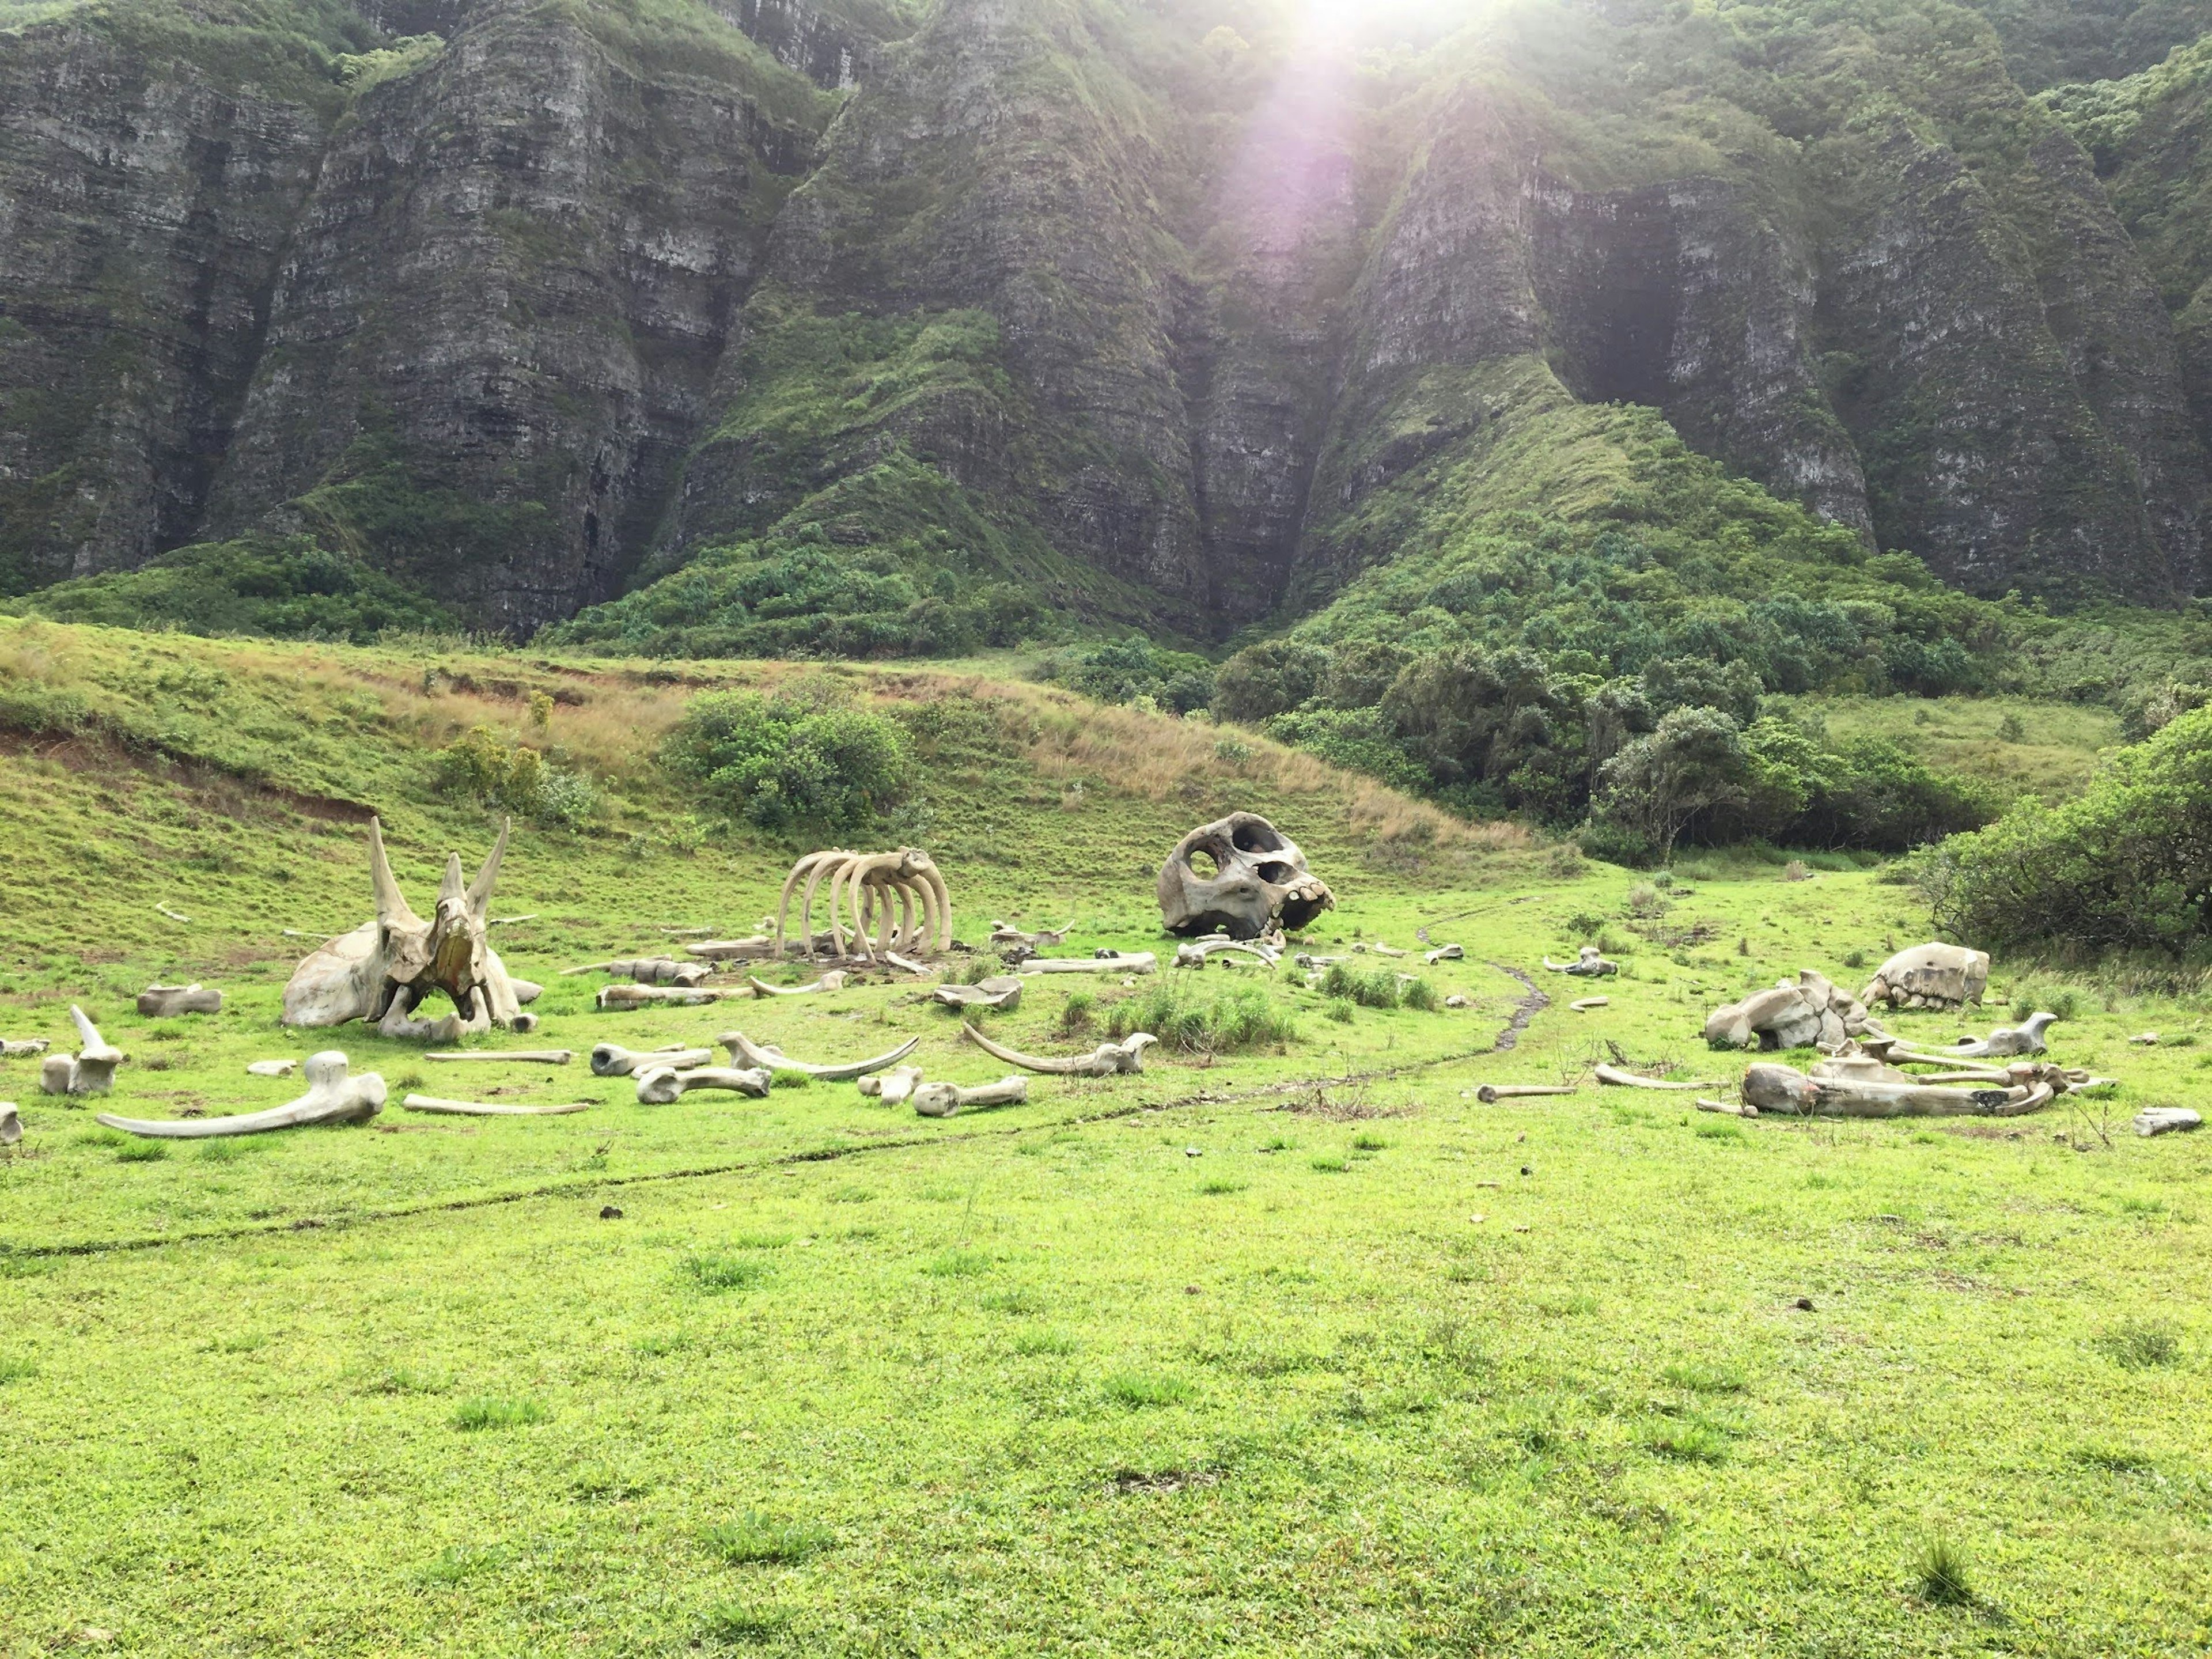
(1275, 874)
(1256, 838)
(1204, 863)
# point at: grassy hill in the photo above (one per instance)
(1294, 1348)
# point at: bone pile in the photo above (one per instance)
(894, 902)
(1867, 1079)
(1792, 1014)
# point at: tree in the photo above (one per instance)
(1692, 763)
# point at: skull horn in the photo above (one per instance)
(479, 895)
(744, 1049)
(394, 913)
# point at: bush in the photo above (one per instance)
(1241, 1018)
(483, 767)
(805, 759)
(1376, 990)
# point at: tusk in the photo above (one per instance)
(486, 1109)
(1105, 1060)
(1619, 1078)
(832, 980)
(392, 911)
(742, 1048)
(331, 1097)
(1586, 1004)
(534, 1056)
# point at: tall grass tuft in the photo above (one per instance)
(754, 1537)
(1941, 1573)
(1370, 989)
(484, 1411)
(1239, 1017)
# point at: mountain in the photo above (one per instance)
(873, 327)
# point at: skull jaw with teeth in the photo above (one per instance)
(1259, 879)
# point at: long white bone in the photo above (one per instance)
(19, 1047)
(832, 980)
(1621, 1079)
(743, 1049)
(488, 1108)
(502, 1056)
(1138, 961)
(613, 1059)
(1105, 1060)
(612, 997)
(944, 1099)
(331, 1097)
(660, 1084)
(161, 1001)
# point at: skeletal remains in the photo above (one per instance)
(1107, 1059)
(2005, 1041)
(611, 1059)
(1137, 962)
(744, 1049)
(1792, 1014)
(90, 1070)
(612, 997)
(832, 980)
(648, 971)
(1929, 977)
(658, 1085)
(865, 886)
(1589, 963)
(1044, 939)
(386, 969)
(331, 1097)
(1444, 953)
(1000, 994)
(11, 1123)
(1859, 1084)
(488, 1108)
(16, 1049)
(1259, 880)
(1198, 952)
(161, 1001)
(944, 1099)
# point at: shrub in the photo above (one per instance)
(1079, 1013)
(484, 768)
(805, 759)
(1420, 993)
(1240, 1017)
(1375, 989)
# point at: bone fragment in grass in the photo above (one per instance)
(742, 1049)
(612, 998)
(90, 1070)
(2166, 1120)
(1729, 1108)
(1583, 1005)
(891, 1087)
(272, 1067)
(173, 915)
(659, 1085)
(11, 1123)
(1107, 1059)
(613, 1059)
(1491, 1093)
(1139, 962)
(1000, 992)
(488, 1108)
(21, 1047)
(832, 980)
(502, 1056)
(166, 1001)
(944, 1099)
(1621, 1079)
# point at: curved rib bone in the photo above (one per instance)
(1583, 1005)
(613, 1059)
(661, 1084)
(1107, 1059)
(488, 1108)
(161, 1001)
(832, 980)
(944, 1099)
(331, 1097)
(742, 1048)
(1619, 1078)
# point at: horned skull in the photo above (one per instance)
(385, 970)
(1259, 878)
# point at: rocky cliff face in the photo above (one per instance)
(1141, 311)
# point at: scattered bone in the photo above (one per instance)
(510, 921)
(1622, 1079)
(1382, 950)
(1589, 962)
(1107, 1059)
(744, 1049)
(1260, 881)
(297, 932)
(502, 1056)
(1444, 953)
(725, 949)
(1044, 939)
(1491, 1093)
(613, 1059)
(1855, 1084)
(385, 970)
(11, 1123)
(832, 980)
(1929, 977)
(2146, 1039)
(688, 933)
(1001, 993)
(272, 1067)
(900, 895)
(19, 1047)
(1198, 952)
(1791, 1014)
(488, 1108)
(332, 1097)
(944, 1099)
(1585, 1005)
(1137, 962)
(892, 1087)
(2151, 1121)
(1313, 964)
(173, 915)
(161, 1001)
(1729, 1108)
(646, 996)
(1454, 1001)
(905, 964)
(90, 1070)
(659, 1085)
(648, 971)
(2006, 1041)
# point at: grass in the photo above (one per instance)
(754, 1538)
(1420, 1431)
(1940, 1573)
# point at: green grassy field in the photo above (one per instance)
(1296, 1350)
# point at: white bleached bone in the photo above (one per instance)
(509, 1056)
(1258, 881)
(1491, 1093)
(2164, 1119)
(1199, 951)
(613, 1059)
(1107, 1059)
(162, 1001)
(901, 894)
(90, 1070)
(2007, 1041)
(1583, 1005)
(658, 1085)
(488, 1108)
(20, 1047)
(332, 1097)
(1621, 1079)
(1930, 976)
(647, 970)
(944, 1099)
(1856, 1085)
(760, 946)
(1728, 1108)
(614, 997)
(1000, 994)
(1589, 964)
(832, 980)
(893, 1086)
(272, 1067)
(1444, 953)
(11, 1123)
(744, 1049)
(1044, 939)
(1137, 962)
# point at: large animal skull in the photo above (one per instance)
(385, 970)
(1258, 876)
